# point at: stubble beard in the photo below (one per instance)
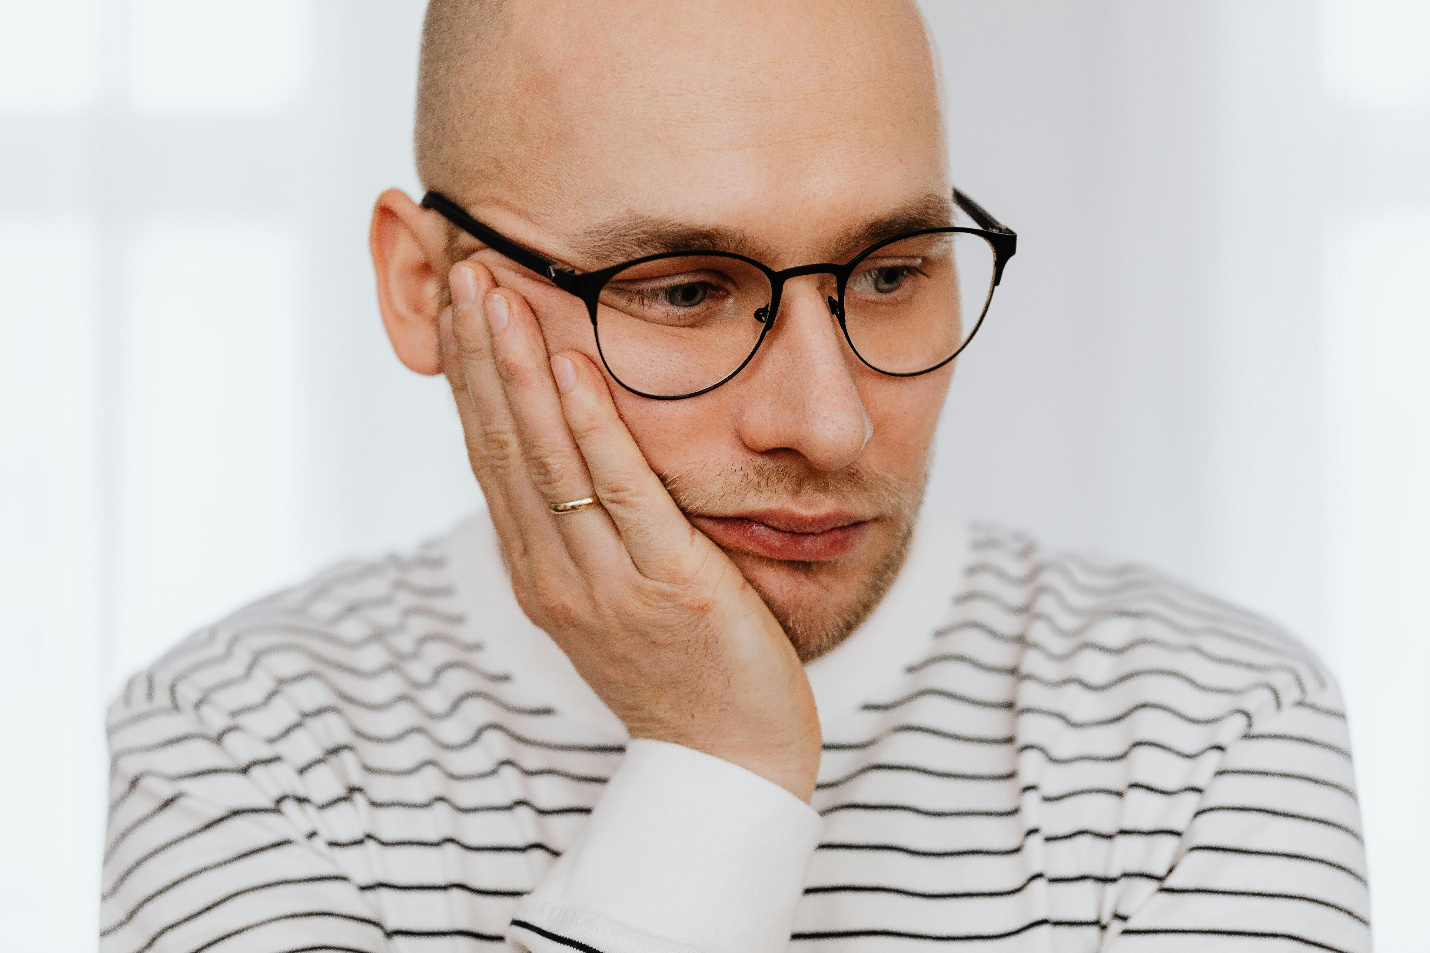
(818, 624)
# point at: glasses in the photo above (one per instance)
(679, 324)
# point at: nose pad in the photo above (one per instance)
(835, 308)
(762, 315)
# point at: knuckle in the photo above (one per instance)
(619, 494)
(556, 602)
(586, 427)
(501, 449)
(512, 369)
(551, 471)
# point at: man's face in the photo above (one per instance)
(791, 123)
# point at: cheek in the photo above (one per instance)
(676, 436)
(905, 413)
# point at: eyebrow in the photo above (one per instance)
(633, 235)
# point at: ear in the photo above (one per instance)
(409, 260)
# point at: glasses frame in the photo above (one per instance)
(588, 285)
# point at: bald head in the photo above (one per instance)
(528, 96)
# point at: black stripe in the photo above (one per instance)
(1013, 811)
(1143, 581)
(921, 811)
(244, 891)
(396, 772)
(202, 828)
(327, 663)
(1289, 776)
(555, 937)
(1267, 896)
(942, 937)
(1258, 934)
(1114, 792)
(135, 824)
(353, 793)
(999, 852)
(446, 934)
(937, 693)
(460, 887)
(1026, 612)
(477, 775)
(437, 673)
(965, 659)
(261, 628)
(1141, 706)
(304, 716)
(1280, 855)
(1017, 545)
(1023, 675)
(1150, 586)
(364, 603)
(1298, 739)
(318, 588)
(1024, 644)
(916, 729)
(1060, 716)
(365, 921)
(1331, 712)
(976, 894)
(1109, 758)
(1272, 812)
(916, 769)
(197, 871)
(445, 842)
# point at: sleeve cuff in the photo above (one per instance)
(686, 851)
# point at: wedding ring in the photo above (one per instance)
(573, 506)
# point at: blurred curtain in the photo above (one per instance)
(1207, 354)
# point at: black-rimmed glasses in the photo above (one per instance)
(678, 324)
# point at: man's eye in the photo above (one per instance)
(687, 294)
(885, 279)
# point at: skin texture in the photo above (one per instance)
(785, 120)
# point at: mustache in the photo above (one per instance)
(752, 486)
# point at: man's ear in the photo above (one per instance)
(409, 260)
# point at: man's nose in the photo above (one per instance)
(801, 388)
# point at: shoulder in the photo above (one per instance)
(352, 625)
(1096, 624)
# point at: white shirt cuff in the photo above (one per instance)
(684, 851)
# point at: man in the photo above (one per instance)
(712, 674)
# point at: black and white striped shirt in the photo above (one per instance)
(1025, 749)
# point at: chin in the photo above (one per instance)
(820, 604)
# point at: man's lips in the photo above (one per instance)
(786, 534)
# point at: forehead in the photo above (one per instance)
(778, 118)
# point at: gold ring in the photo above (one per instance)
(573, 506)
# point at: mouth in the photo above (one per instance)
(787, 534)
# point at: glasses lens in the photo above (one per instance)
(913, 303)
(676, 325)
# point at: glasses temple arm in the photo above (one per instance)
(979, 214)
(458, 216)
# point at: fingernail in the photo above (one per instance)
(564, 371)
(464, 286)
(497, 314)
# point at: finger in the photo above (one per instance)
(492, 446)
(554, 464)
(656, 534)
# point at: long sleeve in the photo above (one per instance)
(215, 843)
(1274, 857)
(684, 852)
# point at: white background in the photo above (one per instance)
(1210, 352)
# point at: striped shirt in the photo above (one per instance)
(1024, 749)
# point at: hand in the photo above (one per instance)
(653, 615)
